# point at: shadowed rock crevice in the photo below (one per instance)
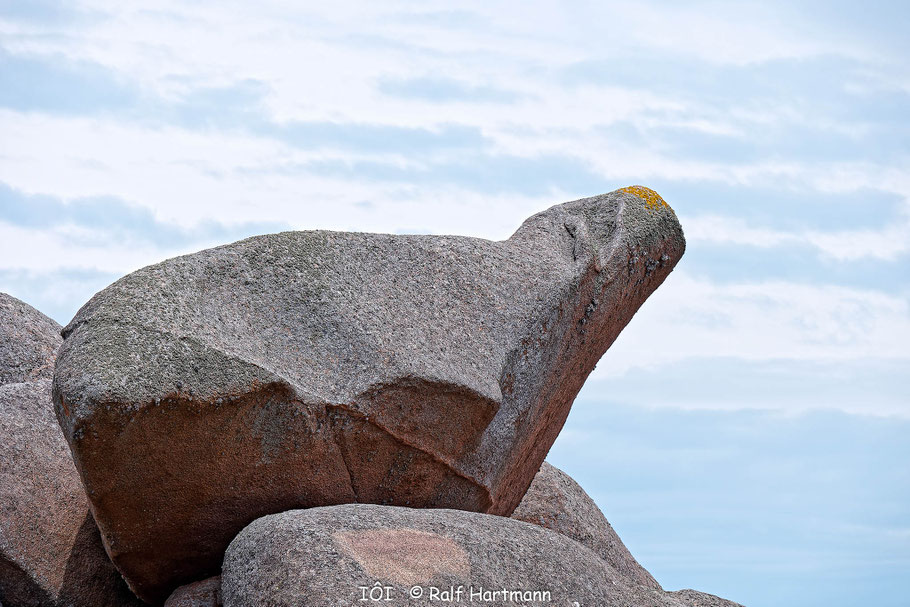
(344, 460)
(91, 578)
(20, 588)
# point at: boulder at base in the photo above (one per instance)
(339, 555)
(50, 550)
(332, 555)
(557, 502)
(694, 598)
(205, 593)
(314, 368)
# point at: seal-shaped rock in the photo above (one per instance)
(50, 550)
(314, 368)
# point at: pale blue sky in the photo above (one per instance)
(748, 432)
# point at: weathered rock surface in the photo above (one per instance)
(51, 554)
(326, 556)
(28, 342)
(694, 598)
(315, 368)
(332, 555)
(555, 501)
(205, 593)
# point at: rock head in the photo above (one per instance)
(316, 368)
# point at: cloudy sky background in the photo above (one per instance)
(747, 434)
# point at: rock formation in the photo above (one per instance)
(316, 368)
(694, 598)
(329, 555)
(557, 502)
(339, 555)
(50, 550)
(394, 547)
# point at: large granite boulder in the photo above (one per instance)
(333, 555)
(555, 501)
(314, 368)
(340, 555)
(50, 550)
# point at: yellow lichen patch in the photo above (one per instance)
(651, 197)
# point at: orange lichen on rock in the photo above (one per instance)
(647, 194)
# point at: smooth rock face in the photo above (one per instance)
(205, 593)
(50, 550)
(555, 501)
(326, 556)
(314, 368)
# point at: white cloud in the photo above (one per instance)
(887, 243)
(719, 33)
(694, 318)
(322, 63)
(317, 64)
(34, 250)
(314, 65)
(188, 176)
